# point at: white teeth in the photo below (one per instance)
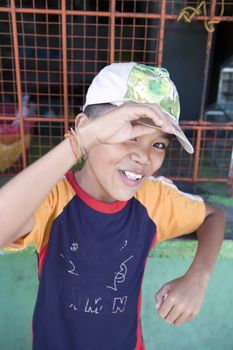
(132, 176)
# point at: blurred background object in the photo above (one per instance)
(10, 136)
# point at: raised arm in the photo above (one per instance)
(22, 195)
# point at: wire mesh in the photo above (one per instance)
(215, 154)
(7, 65)
(136, 39)
(49, 58)
(40, 60)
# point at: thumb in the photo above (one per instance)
(161, 295)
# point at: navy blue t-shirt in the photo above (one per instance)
(92, 257)
(90, 282)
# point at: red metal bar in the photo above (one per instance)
(146, 33)
(18, 80)
(161, 33)
(207, 62)
(106, 14)
(188, 125)
(112, 30)
(197, 156)
(64, 64)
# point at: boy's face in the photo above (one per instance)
(115, 172)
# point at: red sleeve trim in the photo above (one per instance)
(41, 257)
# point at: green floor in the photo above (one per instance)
(211, 330)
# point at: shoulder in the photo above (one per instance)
(170, 208)
(61, 192)
(60, 195)
(157, 188)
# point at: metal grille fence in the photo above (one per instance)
(51, 50)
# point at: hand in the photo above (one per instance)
(180, 300)
(120, 124)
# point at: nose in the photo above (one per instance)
(140, 155)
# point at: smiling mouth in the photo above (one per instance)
(130, 177)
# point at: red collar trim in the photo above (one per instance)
(103, 207)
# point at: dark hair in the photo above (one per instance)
(96, 110)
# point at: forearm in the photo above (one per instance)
(21, 196)
(210, 236)
(185, 294)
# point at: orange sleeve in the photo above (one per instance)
(44, 217)
(175, 213)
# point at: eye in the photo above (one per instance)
(160, 145)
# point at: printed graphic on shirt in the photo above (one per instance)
(111, 277)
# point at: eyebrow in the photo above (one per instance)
(166, 136)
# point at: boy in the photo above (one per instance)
(94, 229)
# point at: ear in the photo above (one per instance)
(81, 119)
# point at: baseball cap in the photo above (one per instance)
(129, 81)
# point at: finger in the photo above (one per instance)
(173, 315)
(160, 119)
(183, 318)
(140, 130)
(168, 128)
(136, 111)
(161, 295)
(160, 300)
(168, 124)
(165, 308)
